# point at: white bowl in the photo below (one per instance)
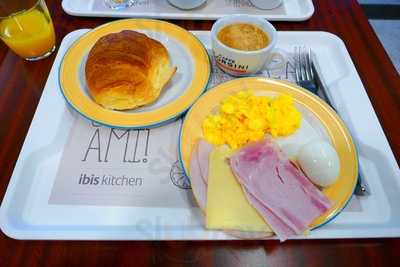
(238, 62)
(186, 4)
(266, 4)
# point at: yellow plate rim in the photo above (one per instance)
(77, 99)
(332, 213)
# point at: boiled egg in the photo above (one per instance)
(320, 162)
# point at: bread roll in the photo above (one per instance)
(127, 70)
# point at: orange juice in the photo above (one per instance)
(29, 33)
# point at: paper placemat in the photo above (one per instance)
(104, 166)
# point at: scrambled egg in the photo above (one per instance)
(244, 117)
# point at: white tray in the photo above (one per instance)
(25, 212)
(290, 10)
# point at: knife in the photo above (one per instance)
(361, 187)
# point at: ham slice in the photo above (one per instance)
(280, 228)
(199, 186)
(199, 171)
(203, 152)
(277, 189)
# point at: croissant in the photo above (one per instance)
(127, 70)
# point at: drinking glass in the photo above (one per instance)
(119, 4)
(27, 29)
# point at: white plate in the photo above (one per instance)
(290, 10)
(26, 214)
(185, 51)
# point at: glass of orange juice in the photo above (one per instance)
(27, 29)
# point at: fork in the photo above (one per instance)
(307, 77)
(303, 70)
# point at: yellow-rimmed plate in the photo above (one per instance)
(319, 121)
(186, 53)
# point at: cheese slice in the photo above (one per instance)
(227, 207)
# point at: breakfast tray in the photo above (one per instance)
(53, 194)
(290, 10)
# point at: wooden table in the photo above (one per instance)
(21, 85)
